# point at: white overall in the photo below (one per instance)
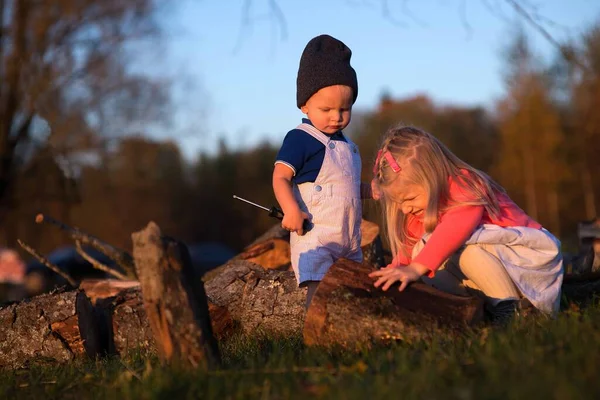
(532, 258)
(334, 207)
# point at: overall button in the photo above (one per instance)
(318, 188)
(332, 145)
(354, 150)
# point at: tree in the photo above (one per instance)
(64, 77)
(585, 122)
(246, 173)
(531, 165)
(142, 180)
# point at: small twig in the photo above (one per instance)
(121, 257)
(463, 18)
(47, 263)
(97, 264)
(387, 14)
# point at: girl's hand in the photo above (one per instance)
(293, 220)
(404, 274)
(375, 190)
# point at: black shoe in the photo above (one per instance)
(503, 312)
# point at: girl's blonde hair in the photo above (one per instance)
(426, 162)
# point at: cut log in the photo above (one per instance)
(120, 309)
(273, 253)
(259, 289)
(258, 299)
(128, 325)
(348, 310)
(122, 321)
(99, 289)
(174, 300)
(51, 327)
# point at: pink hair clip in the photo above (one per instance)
(390, 159)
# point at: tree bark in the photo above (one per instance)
(174, 300)
(259, 299)
(348, 310)
(50, 327)
(122, 318)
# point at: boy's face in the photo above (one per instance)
(330, 109)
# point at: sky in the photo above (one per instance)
(238, 77)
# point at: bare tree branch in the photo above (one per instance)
(121, 257)
(463, 18)
(569, 56)
(47, 263)
(410, 14)
(275, 14)
(97, 264)
(387, 14)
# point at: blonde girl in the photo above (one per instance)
(452, 226)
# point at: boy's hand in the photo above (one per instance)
(293, 221)
(404, 274)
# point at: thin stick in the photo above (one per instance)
(121, 257)
(47, 263)
(97, 264)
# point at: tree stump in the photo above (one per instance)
(174, 300)
(348, 310)
(51, 327)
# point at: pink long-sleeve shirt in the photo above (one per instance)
(456, 225)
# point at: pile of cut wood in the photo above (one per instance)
(169, 310)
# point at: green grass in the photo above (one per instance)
(532, 358)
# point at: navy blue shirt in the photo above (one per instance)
(304, 154)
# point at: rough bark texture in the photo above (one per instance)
(259, 299)
(259, 289)
(346, 309)
(128, 326)
(122, 317)
(50, 327)
(119, 309)
(174, 300)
